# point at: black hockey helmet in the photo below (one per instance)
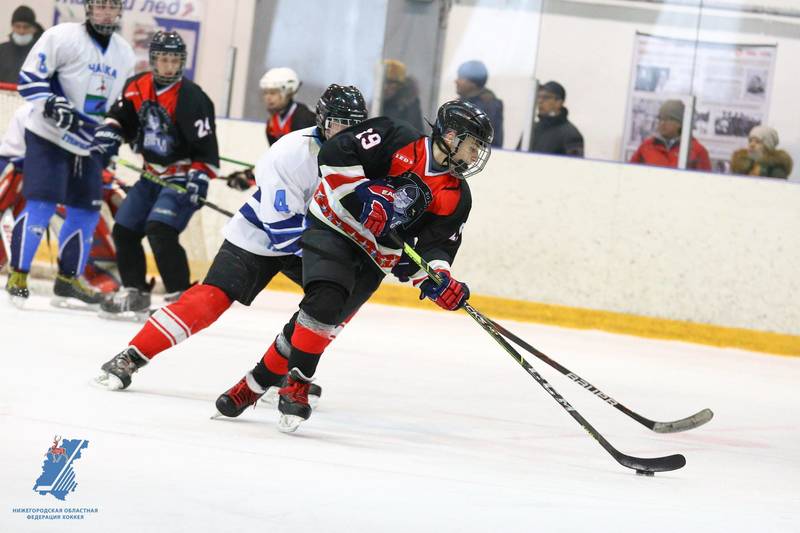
(341, 104)
(102, 29)
(165, 43)
(466, 121)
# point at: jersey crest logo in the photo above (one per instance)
(155, 129)
(412, 196)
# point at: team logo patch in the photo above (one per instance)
(58, 474)
(412, 196)
(155, 129)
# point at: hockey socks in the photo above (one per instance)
(309, 340)
(195, 310)
(75, 240)
(29, 227)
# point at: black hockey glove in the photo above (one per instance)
(241, 180)
(106, 142)
(62, 112)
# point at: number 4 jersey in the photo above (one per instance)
(430, 206)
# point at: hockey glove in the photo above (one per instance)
(378, 206)
(107, 139)
(196, 186)
(62, 112)
(242, 180)
(449, 294)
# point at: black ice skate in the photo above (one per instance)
(17, 288)
(238, 398)
(293, 401)
(118, 371)
(72, 293)
(271, 396)
(127, 303)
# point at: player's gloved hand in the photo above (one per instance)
(241, 180)
(106, 142)
(62, 112)
(449, 294)
(196, 186)
(378, 201)
(405, 269)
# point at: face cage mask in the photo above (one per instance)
(461, 169)
(345, 122)
(167, 80)
(104, 29)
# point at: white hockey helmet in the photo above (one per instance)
(282, 78)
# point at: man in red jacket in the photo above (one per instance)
(662, 149)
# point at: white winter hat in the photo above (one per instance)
(768, 136)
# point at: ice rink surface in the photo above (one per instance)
(425, 424)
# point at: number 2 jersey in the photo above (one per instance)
(67, 61)
(430, 206)
(272, 220)
(172, 127)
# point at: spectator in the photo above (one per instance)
(761, 157)
(662, 149)
(400, 94)
(25, 31)
(470, 86)
(553, 133)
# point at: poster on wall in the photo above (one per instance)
(731, 82)
(142, 18)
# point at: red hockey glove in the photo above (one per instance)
(378, 200)
(449, 294)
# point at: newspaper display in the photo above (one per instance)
(731, 83)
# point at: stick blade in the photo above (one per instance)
(684, 424)
(653, 464)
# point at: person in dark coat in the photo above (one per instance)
(471, 87)
(25, 31)
(553, 133)
(400, 94)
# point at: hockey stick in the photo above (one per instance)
(236, 162)
(642, 465)
(684, 424)
(174, 186)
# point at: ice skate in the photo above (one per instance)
(118, 371)
(238, 398)
(129, 304)
(293, 401)
(271, 396)
(17, 288)
(72, 293)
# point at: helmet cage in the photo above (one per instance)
(461, 168)
(165, 44)
(103, 29)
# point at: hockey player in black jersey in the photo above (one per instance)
(382, 181)
(170, 121)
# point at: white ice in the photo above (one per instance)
(425, 424)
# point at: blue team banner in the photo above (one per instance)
(142, 18)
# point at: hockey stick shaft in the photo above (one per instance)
(684, 424)
(236, 162)
(174, 186)
(657, 464)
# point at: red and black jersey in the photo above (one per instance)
(430, 206)
(172, 127)
(295, 116)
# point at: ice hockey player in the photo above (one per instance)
(278, 86)
(260, 241)
(381, 181)
(72, 75)
(170, 121)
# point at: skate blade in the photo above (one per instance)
(289, 423)
(217, 416)
(18, 301)
(271, 398)
(108, 382)
(125, 316)
(73, 304)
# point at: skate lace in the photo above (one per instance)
(242, 395)
(123, 362)
(296, 391)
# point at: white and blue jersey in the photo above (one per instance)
(67, 61)
(273, 218)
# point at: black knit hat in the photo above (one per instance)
(554, 88)
(23, 14)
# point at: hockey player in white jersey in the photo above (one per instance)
(260, 241)
(72, 76)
